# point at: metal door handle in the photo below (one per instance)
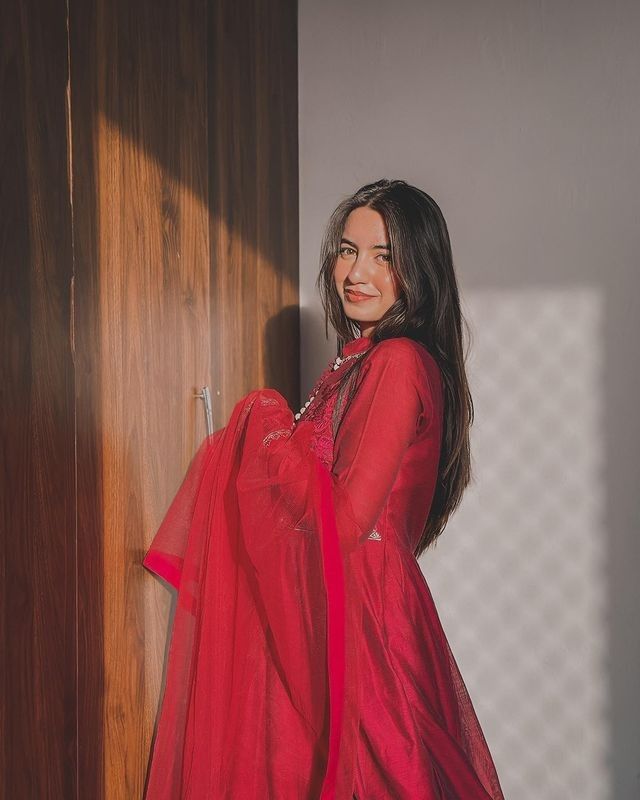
(205, 395)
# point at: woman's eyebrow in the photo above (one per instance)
(375, 246)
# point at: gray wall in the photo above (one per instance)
(521, 120)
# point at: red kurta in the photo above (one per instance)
(307, 659)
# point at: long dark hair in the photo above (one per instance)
(427, 310)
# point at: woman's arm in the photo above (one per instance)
(380, 423)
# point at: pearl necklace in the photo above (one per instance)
(333, 365)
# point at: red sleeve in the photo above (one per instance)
(380, 423)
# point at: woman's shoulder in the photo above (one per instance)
(411, 363)
(407, 353)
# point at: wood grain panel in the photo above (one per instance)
(139, 112)
(38, 467)
(253, 121)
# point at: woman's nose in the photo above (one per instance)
(358, 269)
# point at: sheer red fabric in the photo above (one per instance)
(307, 659)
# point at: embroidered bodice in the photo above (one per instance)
(322, 411)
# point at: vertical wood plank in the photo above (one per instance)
(88, 354)
(37, 441)
(253, 121)
(141, 225)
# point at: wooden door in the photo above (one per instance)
(150, 247)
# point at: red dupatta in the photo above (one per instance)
(256, 701)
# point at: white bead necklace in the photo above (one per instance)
(334, 365)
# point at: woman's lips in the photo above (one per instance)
(357, 297)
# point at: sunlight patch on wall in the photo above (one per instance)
(520, 575)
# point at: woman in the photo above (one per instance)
(307, 658)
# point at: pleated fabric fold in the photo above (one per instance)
(260, 697)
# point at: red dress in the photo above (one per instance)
(307, 659)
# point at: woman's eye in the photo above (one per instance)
(345, 251)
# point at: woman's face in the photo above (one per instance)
(362, 273)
